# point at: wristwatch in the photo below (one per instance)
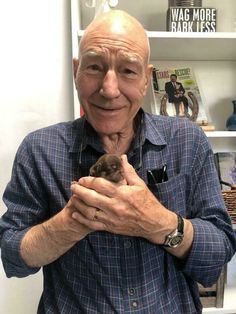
(175, 238)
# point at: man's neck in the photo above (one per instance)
(118, 143)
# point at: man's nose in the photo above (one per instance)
(110, 85)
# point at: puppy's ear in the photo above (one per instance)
(95, 170)
(92, 171)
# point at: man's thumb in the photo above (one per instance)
(129, 173)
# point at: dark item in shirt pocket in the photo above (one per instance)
(155, 176)
(172, 193)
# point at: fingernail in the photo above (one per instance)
(81, 180)
(73, 186)
(124, 157)
(74, 215)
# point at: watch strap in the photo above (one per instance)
(180, 226)
(175, 238)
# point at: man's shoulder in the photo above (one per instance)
(50, 130)
(56, 129)
(53, 135)
(173, 125)
(167, 130)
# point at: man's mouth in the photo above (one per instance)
(107, 108)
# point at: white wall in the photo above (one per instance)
(36, 90)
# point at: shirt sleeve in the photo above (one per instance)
(214, 239)
(26, 203)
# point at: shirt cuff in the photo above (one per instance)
(207, 255)
(12, 261)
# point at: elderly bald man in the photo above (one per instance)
(107, 247)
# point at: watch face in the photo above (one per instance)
(176, 240)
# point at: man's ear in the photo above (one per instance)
(75, 66)
(148, 77)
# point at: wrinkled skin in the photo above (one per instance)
(112, 76)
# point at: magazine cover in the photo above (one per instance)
(177, 94)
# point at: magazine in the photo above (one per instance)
(189, 103)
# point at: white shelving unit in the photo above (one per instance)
(203, 46)
(211, 46)
(222, 134)
(213, 58)
(197, 49)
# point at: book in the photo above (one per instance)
(188, 87)
(191, 19)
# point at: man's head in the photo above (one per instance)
(173, 77)
(113, 71)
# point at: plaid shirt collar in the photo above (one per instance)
(83, 134)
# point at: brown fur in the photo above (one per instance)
(108, 166)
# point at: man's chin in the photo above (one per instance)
(107, 130)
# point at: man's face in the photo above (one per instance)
(111, 79)
(173, 78)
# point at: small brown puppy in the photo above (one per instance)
(108, 166)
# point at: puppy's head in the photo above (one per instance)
(108, 166)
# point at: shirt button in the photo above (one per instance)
(131, 291)
(127, 244)
(135, 304)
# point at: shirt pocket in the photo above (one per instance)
(172, 193)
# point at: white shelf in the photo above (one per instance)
(196, 35)
(226, 134)
(191, 46)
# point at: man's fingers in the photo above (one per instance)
(93, 224)
(99, 185)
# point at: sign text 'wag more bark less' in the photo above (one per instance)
(192, 19)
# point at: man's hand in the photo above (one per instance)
(123, 209)
(129, 209)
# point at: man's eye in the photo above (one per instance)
(129, 72)
(93, 68)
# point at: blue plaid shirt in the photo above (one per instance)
(108, 273)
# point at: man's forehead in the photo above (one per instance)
(103, 54)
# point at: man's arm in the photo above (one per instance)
(167, 89)
(182, 88)
(46, 242)
(29, 238)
